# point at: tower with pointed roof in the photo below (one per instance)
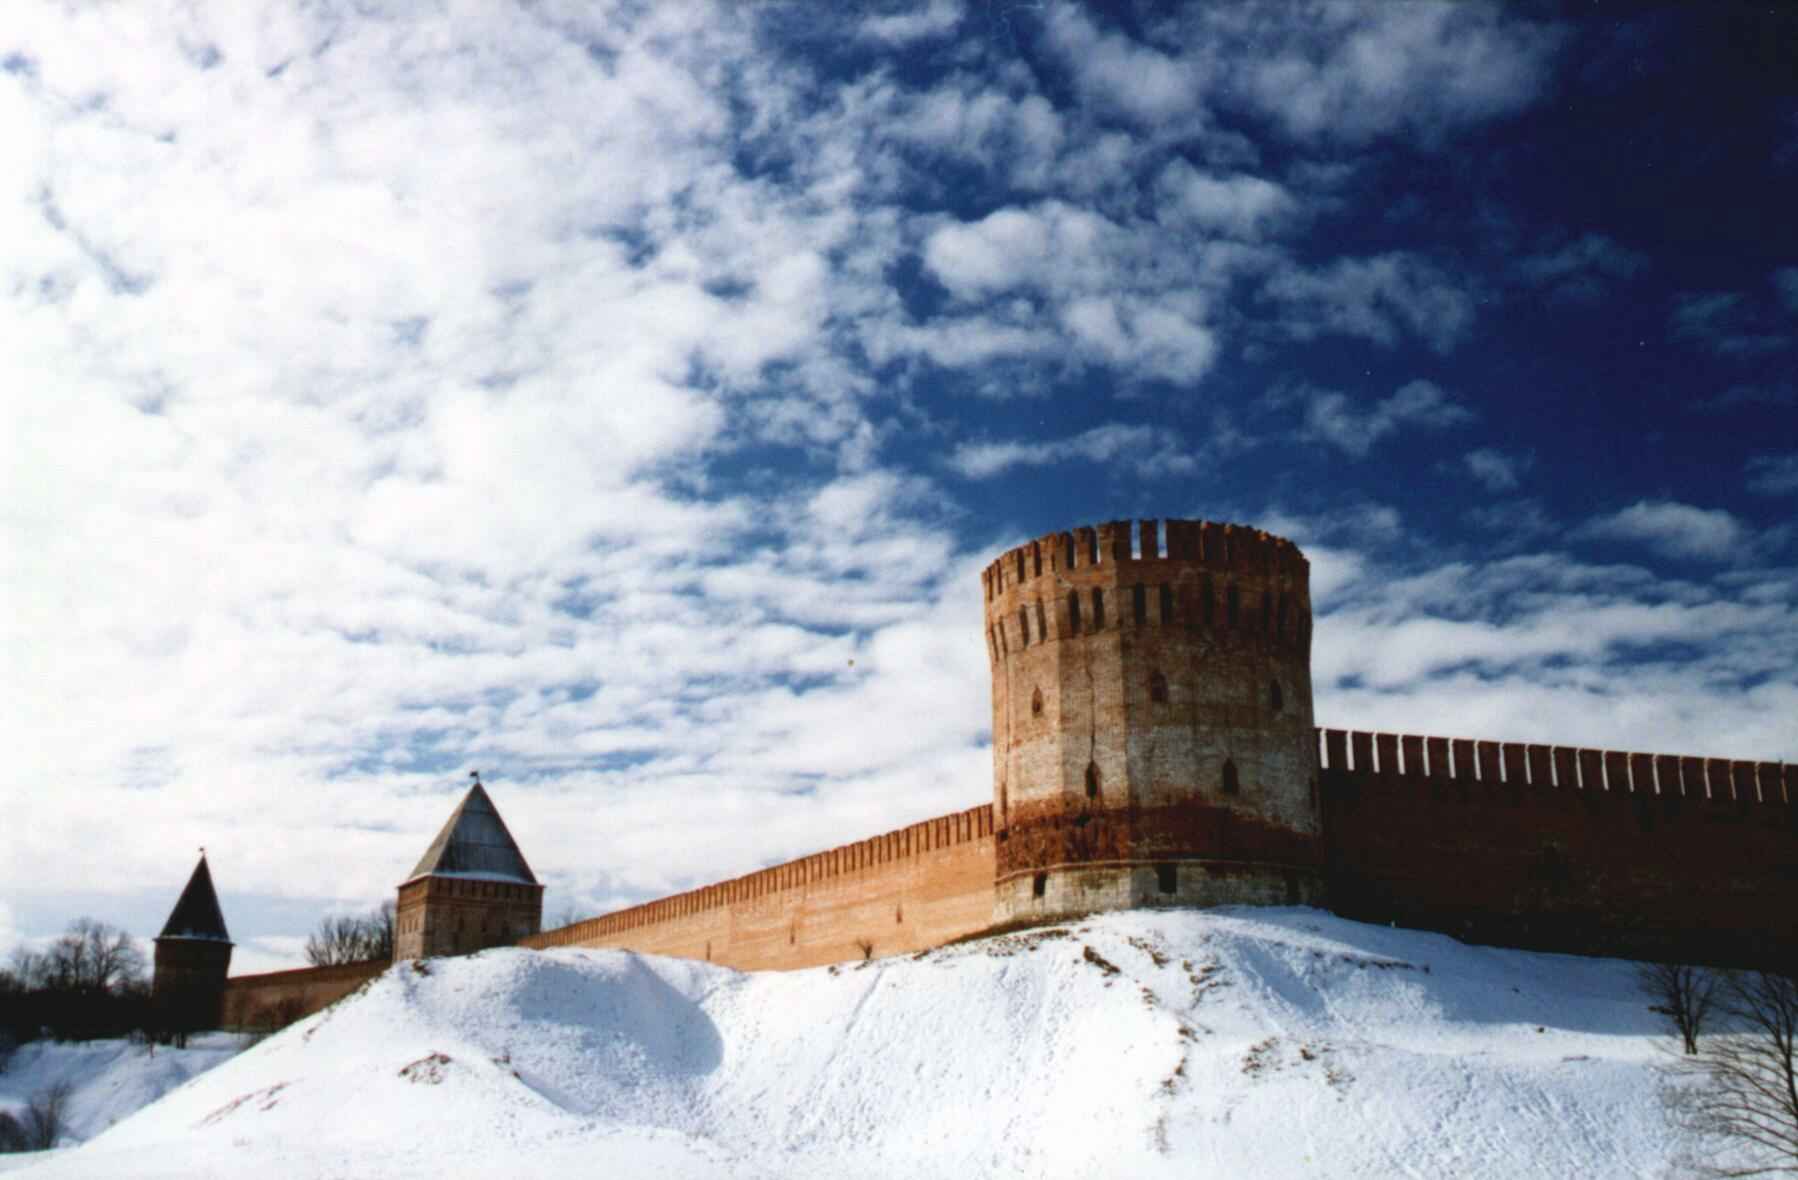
(193, 955)
(470, 890)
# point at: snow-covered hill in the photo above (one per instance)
(107, 1080)
(1264, 1043)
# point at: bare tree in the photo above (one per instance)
(352, 939)
(1744, 1096)
(92, 957)
(379, 933)
(1683, 994)
(336, 940)
(42, 1122)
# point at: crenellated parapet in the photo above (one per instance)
(1494, 764)
(875, 854)
(1224, 578)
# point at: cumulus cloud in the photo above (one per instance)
(1675, 529)
(912, 24)
(1495, 470)
(1141, 448)
(1136, 80)
(1773, 475)
(1237, 205)
(1377, 299)
(1089, 270)
(1548, 647)
(1355, 73)
(1334, 418)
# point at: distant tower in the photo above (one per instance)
(1152, 728)
(472, 888)
(193, 955)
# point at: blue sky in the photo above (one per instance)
(623, 399)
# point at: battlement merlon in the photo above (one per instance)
(1491, 764)
(1216, 547)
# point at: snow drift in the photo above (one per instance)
(1267, 1043)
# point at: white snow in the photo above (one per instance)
(1228, 1043)
(109, 1079)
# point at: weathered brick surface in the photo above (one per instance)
(1152, 708)
(277, 998)
(439, 915)
(1585, 851)
(907, 890)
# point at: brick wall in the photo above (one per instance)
(1550, 848)
(277, 998)
(1598, 852)
(918, 887)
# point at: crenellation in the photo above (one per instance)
(1386, 752)
(1741, 782)
(1361, 751)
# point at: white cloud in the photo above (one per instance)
(1086, 267)
(1375, 299)
(1545, 647)
(1495, 470)
(1773, 475)
(1333, 418)
(914, 24)
(1354, 72)
(1140, 448)
(1675, 529)
(1237, 205)
(1122, 74)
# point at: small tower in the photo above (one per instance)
(1152, 726)
(193, 955)
(472, 888)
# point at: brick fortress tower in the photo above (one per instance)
(193, 956)
(1153, 739)
(470, 890)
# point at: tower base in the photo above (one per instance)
(1071, 891)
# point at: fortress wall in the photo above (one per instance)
(277, 998)
(1644, 855)
(911, 889)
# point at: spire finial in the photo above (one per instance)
(476, 776)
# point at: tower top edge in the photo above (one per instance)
(1209, 544)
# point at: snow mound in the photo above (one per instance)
(108, 1079)
(1225, 1043)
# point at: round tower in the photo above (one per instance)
(1153, 741)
